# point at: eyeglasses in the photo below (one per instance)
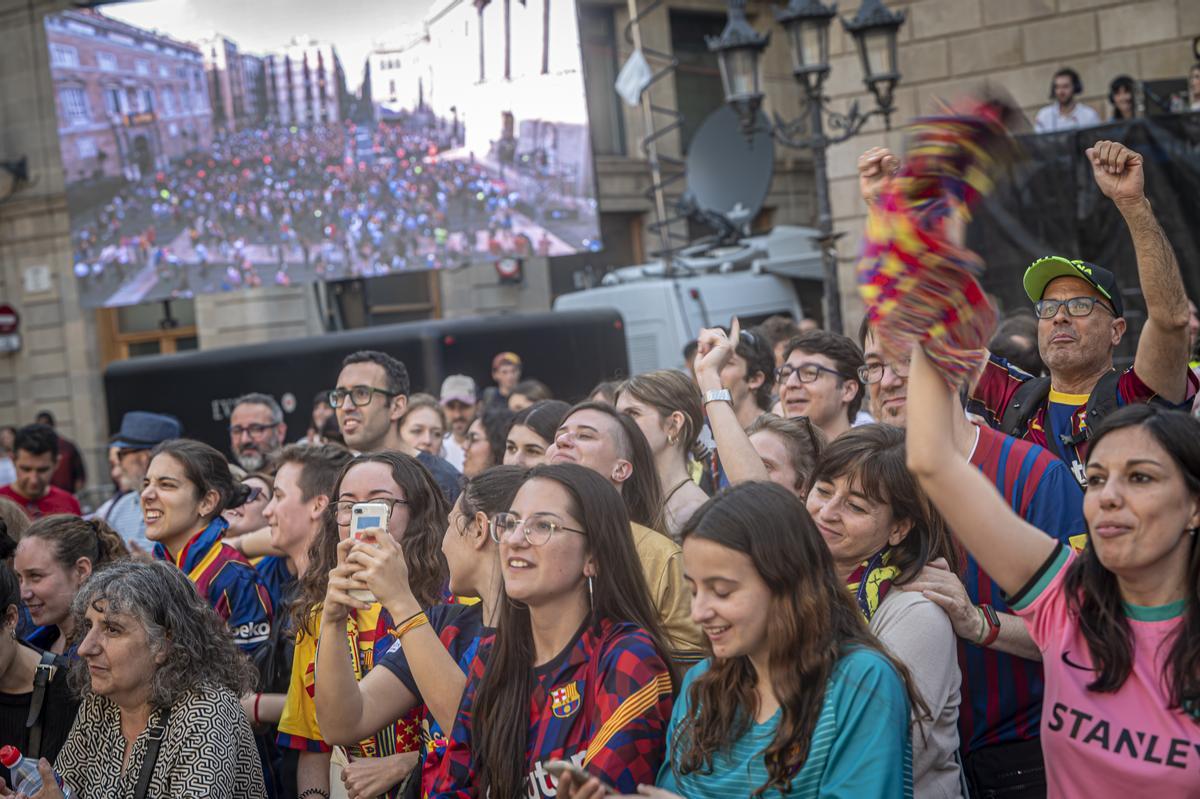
(807, 372)
(359, 395)
(537, 529)
(1076, 306)
(342, 511)
(252, 430)
(255, 493)
(873, 372)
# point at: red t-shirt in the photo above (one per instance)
(56, 501)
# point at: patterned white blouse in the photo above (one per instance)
(207, 752)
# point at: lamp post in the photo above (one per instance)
(806, 23)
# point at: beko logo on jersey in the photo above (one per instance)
(252, 632)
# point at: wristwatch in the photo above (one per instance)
(988, 614)
(718, 395)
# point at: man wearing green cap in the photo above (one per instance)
(1081, 319)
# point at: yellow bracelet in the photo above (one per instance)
(412, 623)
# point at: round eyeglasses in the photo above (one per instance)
(537, 529)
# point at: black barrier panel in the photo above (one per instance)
(570, 351)
(1048, 204)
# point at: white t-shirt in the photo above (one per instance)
(453, 452)
(1050, 120)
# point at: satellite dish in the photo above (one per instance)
(728, 173)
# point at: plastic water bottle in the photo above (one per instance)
(24, 773)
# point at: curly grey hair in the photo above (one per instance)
(178, 622)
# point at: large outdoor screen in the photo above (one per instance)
(214, 145)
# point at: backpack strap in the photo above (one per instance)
(1023, 405)
(154, 739)
(42, 676)
(1102, 401)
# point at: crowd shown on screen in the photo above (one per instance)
(803, 565)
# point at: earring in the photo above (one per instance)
(591, 601)
(671, 439)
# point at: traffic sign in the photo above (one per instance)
(9, 319)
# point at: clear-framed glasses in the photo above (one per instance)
(873, 372)
(1076, 306)
(359, 395)
(537, 529)
(807, 372)
(252, 430)
(342, 508)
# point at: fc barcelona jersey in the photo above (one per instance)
(604, 704)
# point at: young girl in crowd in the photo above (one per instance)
(577, 669)
(187, 486)
(19, 664)
(796, 698)
(248, 517)
(485, 440)
(434, 648)
(881, 531)
(423, 424)
(789, 449)
(1118, 625)
(666, 406)
(416, 522)
(532, 431)
(56, 555)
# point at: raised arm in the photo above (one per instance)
(349, 711)
(739, 459)
(1007, 547)
(1162, 353)
(875, 168)
(438, 678)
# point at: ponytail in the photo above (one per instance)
(73, 538)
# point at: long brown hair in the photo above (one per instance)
(500, 719)
(422, 541)
(872, 456)
(668, 391)
(1093, 592)
(814, 624)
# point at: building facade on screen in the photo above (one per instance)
(129, 100)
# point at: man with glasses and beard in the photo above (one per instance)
(369, 400)
(256, 431)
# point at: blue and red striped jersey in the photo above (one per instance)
(460, 629)
(227, 581)
(1003, 693)
(604, 704)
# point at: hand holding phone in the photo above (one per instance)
(366, 516)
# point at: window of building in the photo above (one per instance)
(599, 39)
(173, 130)
(63, 55)
(146, 101)
(698, 90)
(142, 67)
(163, 72)
(113, 101)
(150, 329)
(86, 146)
(106, 61)
(75, 106)
(168, 102)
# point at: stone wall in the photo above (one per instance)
(57, 368)
(950, 45)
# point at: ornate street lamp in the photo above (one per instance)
(806, 23)
(875, 29)
(739, 51)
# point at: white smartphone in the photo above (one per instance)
(558, 768)
(367, 516)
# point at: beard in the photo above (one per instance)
(251, 460)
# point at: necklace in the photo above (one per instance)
(682, 483)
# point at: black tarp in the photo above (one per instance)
(1048, 204)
